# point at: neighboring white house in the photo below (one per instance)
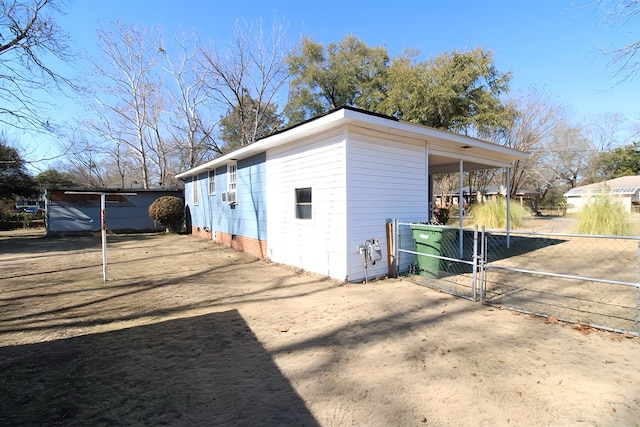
(626, 189)
(310, 195)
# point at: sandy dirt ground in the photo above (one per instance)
(186, 332)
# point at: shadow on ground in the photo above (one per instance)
(37, 243)
(204, 370)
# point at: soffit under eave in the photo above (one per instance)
(445, 144)
(435, 138)
(466, 167)
(441, 160)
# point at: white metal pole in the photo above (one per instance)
(103, 221)
(461, 208)
(460, 194)
(508, 207)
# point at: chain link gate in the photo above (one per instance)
(440, 257)
(584, 279)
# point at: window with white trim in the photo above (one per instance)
(212, 183)
(303, 203)
(232, 177)
(194, 189)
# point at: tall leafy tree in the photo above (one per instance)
(237, 125)
(458, 91)
(55, 178)
(14, 177)
(347, 73)
(621, 161)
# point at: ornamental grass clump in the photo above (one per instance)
(168, 211)
(493, 214)
(605, 216)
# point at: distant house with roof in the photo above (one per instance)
(626, 189)
(489, 193)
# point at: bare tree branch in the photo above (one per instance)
(624, 59)
(28, 34)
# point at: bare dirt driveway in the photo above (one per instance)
(185, 332)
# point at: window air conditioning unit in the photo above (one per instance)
(229, 197)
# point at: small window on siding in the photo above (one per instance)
(303, 203)
(212, 183)
(194, 186)
(232, 177)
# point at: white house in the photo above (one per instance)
(626, 189)
(310, 195)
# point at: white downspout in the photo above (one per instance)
(508, 207)
(461, 208)
(428, 180)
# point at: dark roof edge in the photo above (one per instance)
(311, 119)
(115, 190)
(345, 107)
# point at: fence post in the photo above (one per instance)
(635, 318)
(483, 258)
(396, 245)
(475, 263)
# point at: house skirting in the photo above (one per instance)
(255, 247)
(201, 232)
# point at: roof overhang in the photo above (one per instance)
(445, 149)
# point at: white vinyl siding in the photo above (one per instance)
(316, 244)
(386, 179)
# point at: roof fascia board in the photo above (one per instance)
(430, 134)
(296, 132)
(435, 137)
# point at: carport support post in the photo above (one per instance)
(103, 227)
(508, 207)
(461, 208)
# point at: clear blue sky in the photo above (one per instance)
(552, 45)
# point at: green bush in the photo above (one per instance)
(168, 211)
(603, 215)
(493, 214)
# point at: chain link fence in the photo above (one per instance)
(584, 279)
(439, 257)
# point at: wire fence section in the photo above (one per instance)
(440, 257)
(584, 279)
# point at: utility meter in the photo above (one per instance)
(374, 251)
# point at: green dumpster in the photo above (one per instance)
(431, 240)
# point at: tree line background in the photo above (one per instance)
(157, 105)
